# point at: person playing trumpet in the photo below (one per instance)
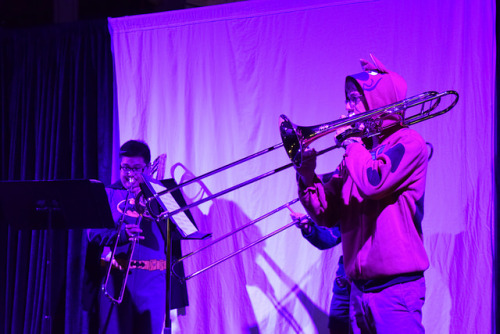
(376, 196)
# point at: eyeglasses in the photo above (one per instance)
(354, 99)
(128, 169)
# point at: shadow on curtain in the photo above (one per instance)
(56, 98)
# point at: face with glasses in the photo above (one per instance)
(131, 169)
(355, 100)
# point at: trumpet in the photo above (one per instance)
(295, 139)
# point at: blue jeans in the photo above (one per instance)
(395, 309)
(339, 308)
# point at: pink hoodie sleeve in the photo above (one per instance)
(321, 200)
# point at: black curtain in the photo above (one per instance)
(56, 101)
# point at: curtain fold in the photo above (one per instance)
(56, 90)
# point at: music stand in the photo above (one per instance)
(58, 204)
(186, 227)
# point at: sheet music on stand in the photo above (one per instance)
(168, 204)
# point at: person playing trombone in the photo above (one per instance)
(376, 196)
(142, 305)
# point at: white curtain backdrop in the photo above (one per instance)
(207, 86)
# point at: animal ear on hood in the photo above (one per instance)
(376, 66)
(379, 85)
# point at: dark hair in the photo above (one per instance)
(136, 148)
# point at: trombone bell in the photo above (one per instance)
(290, 140)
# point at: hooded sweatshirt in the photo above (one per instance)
(377, 195)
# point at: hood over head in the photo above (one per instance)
(379, 85)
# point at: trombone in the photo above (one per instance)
(225, 236)
(364, 125)
(122, 266)
(158, 167)
(296, 139)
